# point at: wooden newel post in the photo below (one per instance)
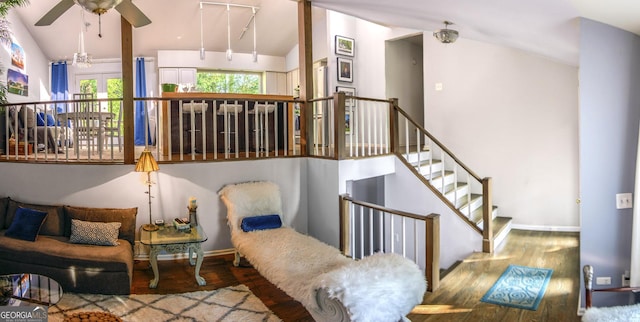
(432, 263)
(393, 125)
(338, 105)
(345, 227)
(487, 217)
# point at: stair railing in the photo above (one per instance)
(409, 140)
(367, 228)
(357, 127)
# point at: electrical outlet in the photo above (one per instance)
(626, 279)
(603, 280)
(623, 200)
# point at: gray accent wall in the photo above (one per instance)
(609, 114)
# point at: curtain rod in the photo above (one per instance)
(102, 60)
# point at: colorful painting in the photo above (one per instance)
(17, 83)
(17, 56)
(344, 46)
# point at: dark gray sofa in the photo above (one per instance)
(78, 268)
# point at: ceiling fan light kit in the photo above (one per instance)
(446, 35)
(97, 6)
(125, 7)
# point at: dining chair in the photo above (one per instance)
(111, 129)
(85, 128)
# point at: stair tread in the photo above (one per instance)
(499, 224)
(425, 162)
(477, 217)
(450, 187)
(463, 201)
(438, 174)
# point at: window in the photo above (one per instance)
(229, 82)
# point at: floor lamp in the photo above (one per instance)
(146, 163)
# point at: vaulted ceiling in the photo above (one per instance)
(546, 27)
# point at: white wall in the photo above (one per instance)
(512, 116)
(36, 64)
(218, 60)
(322, 189)
(120, 187)
(403, 191)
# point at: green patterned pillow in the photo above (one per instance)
(94, 233)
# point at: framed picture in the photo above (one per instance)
(345, 70)
(17, 55)
(347, 122)
(344, 46)
(17, 83)
(348, 91)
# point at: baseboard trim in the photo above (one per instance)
(163, 257)
(572, 229)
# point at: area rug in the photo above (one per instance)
(235, 303)
(520, 287)
(612, 314)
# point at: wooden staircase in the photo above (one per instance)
(457, 191)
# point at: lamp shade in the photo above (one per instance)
(146, 162)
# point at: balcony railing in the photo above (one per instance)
(347, 127)
(186, 129)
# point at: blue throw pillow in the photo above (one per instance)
(261, 223)
(26, 224)
(41, 118)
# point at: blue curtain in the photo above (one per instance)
(140, 130)
(59, 84)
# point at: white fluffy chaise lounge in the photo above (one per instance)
(382, 287)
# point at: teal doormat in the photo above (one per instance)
(520, 287)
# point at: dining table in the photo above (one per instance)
(87, 125)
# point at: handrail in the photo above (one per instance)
(436, 141)
(431, 239)
(383, 209)
(274, 133)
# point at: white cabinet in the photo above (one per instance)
(187, 76)
(275, 83)
(177, 76)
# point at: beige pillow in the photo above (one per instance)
(94, 233)
(125, 216)
(31, 118)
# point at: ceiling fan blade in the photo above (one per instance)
(133, 15)
(55, 12)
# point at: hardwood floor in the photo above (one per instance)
(458, 298)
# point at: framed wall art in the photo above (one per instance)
(17, 83)
(17, 55)
(345, 70)
(348, 91)
(345, 46)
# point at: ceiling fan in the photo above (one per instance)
(125, 7)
